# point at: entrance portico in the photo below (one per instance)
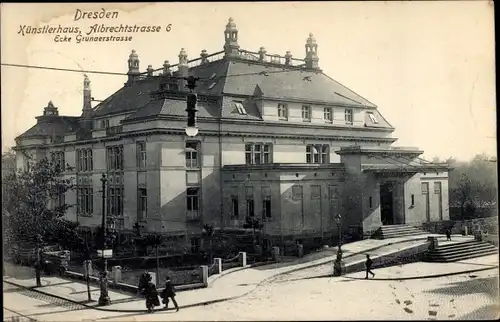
(394, 185)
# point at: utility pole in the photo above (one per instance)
(104, 298)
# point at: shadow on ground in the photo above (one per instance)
(474, 285)
(487, 312)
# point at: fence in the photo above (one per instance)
(489, 224)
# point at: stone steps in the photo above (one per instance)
(394, 231)
(460, 251)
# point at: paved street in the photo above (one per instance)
(465, 296)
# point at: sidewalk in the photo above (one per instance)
(230, 285)
(429, 270)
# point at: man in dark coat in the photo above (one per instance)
(169, 292)
(143, 282)
(151, 296)
(368, 265)
(448, 234)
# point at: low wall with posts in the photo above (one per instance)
(489, 225)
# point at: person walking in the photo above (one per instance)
(151, 296)
(368, 265)
(448, 234)
(169, 292)
(143, 282)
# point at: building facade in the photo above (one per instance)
(278, 140)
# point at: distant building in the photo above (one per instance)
(278, 140)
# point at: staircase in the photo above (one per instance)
(460, 251)
(393, 231)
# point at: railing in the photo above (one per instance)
(272, 58)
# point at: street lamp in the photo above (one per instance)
(104, 298)
(338, 264)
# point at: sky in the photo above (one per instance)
(428, 66)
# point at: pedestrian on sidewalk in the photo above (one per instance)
(448, 234)
(152, 299)
(143, 282)
(169, 292)
(368, 265)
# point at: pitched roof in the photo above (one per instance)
(52, 126)
(128, 98)
(281, 83)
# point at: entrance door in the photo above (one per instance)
(386, 204)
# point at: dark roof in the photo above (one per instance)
(52, 126)
(128, 98)
(281, 83)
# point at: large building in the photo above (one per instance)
(278, 140)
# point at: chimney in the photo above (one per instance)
(288, 58)
(204, 55)
(262, 54)
(133, 66)
(150, 70)
(311, 53)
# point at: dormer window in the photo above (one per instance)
(306, 113)
(348, 115)
(212, 85)
(282, 111)
(373, 118)
(239, 107)
(104, 124)
(213, 76)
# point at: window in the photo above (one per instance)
(425, 188)
(84, 160)
(239, 108)
(258, 153)
(370, 202)
(192, 155)
(373, 118)
(142, 204)
(115, 201)
(141, 155)
(195, 245)
(348, 116)
(250, 208)
(266, 202)
(192, 199)
(306, 113)
(85, 196)
(296, 192)
(316, 192)
(235, 207)
(437, 187)
(59, 160)
(60, 198)
(250, 201)
(104, 124)
(412, 200)
(282, 112)
(317, 153)
(328, 114)
(115, 157)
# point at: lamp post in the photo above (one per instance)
(338, 264)
(104, 297)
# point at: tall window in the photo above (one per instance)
(192, 155)
(318, 153)
(348, 116)
(266, 202)
(282, 112)
(115, 201)
(142, 204)
(104, 124)
(84, 160)
(59, 160)
(437, 191)
(85, 195)
(250, 201)
(306, 113)
(60, 198)
(141, 155)
(328, 114)
(192, 201)
(115, 157)
(235, 207)
(258, 153)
